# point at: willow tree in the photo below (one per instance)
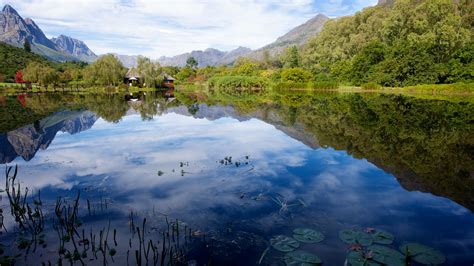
(106, 70)
(149, 71)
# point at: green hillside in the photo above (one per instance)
(13, 59)
(407, 43)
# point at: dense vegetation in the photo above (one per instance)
(13, 59)
(408, 43)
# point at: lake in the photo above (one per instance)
(271, 179)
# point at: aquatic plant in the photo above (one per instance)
(307, 235)
(423, 254)
(353, 236)
(284, 243)
(284, 204)
(29, 217)
(300, 257)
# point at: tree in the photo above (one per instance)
(32, 72)
(291, 57)
(185, 74)
(27, 45)
(19, 77)
(150, 72)
(363, 63)
(191, 62)
(106, 70)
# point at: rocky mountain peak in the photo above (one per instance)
(74, 46)
(14, 30)
(8, 9)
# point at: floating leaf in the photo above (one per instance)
(352, 236)
(306, 235)
(357, 258)
(284, 243)
(300, 257)
(382, 237)
(423, 254)
(386, 255)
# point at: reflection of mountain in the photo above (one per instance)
(26, 141)
(296, 131)
(416, 140)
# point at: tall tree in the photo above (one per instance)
(149, 71)
(27, 45)
(106, 70)
(291, 57)
(192, 62)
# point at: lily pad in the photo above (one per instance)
(300, 257)
(386, 255)
(382, 237)
(357, 258)
(306, 235)
(353, 236)
(284, 243)
(423, 254)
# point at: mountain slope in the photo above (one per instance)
(13, 59)
(14, 30)
(297, 36)
(74, 47)
(208, 57)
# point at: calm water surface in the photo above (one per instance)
(216, 177)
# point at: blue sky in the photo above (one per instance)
(167, 27)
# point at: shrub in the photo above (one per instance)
(295, 75)
(233, 84)
(324, 85)
(370, 86)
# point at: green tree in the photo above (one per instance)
(191, 62)
(185, 74)
(33, 72)
(291, 57)
(106, 70)
(363, 63)
(27, 45)
(150, 72)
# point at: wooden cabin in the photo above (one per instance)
(132, 78)
(168, 81)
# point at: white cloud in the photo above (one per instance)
(166, 27)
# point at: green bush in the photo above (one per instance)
(296, 74)
(234, 84)
(324, 85)
(370, 86)
(291, 85)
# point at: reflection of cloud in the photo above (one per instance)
(121, 161)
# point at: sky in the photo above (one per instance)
(170, 27)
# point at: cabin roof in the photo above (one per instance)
(132, 73)
(167, 77)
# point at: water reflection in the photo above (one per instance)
(167, 156)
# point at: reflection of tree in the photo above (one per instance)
(111, 107)
(428, 145)
(193, 109)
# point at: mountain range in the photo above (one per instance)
(213, 57)
(14, 30)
